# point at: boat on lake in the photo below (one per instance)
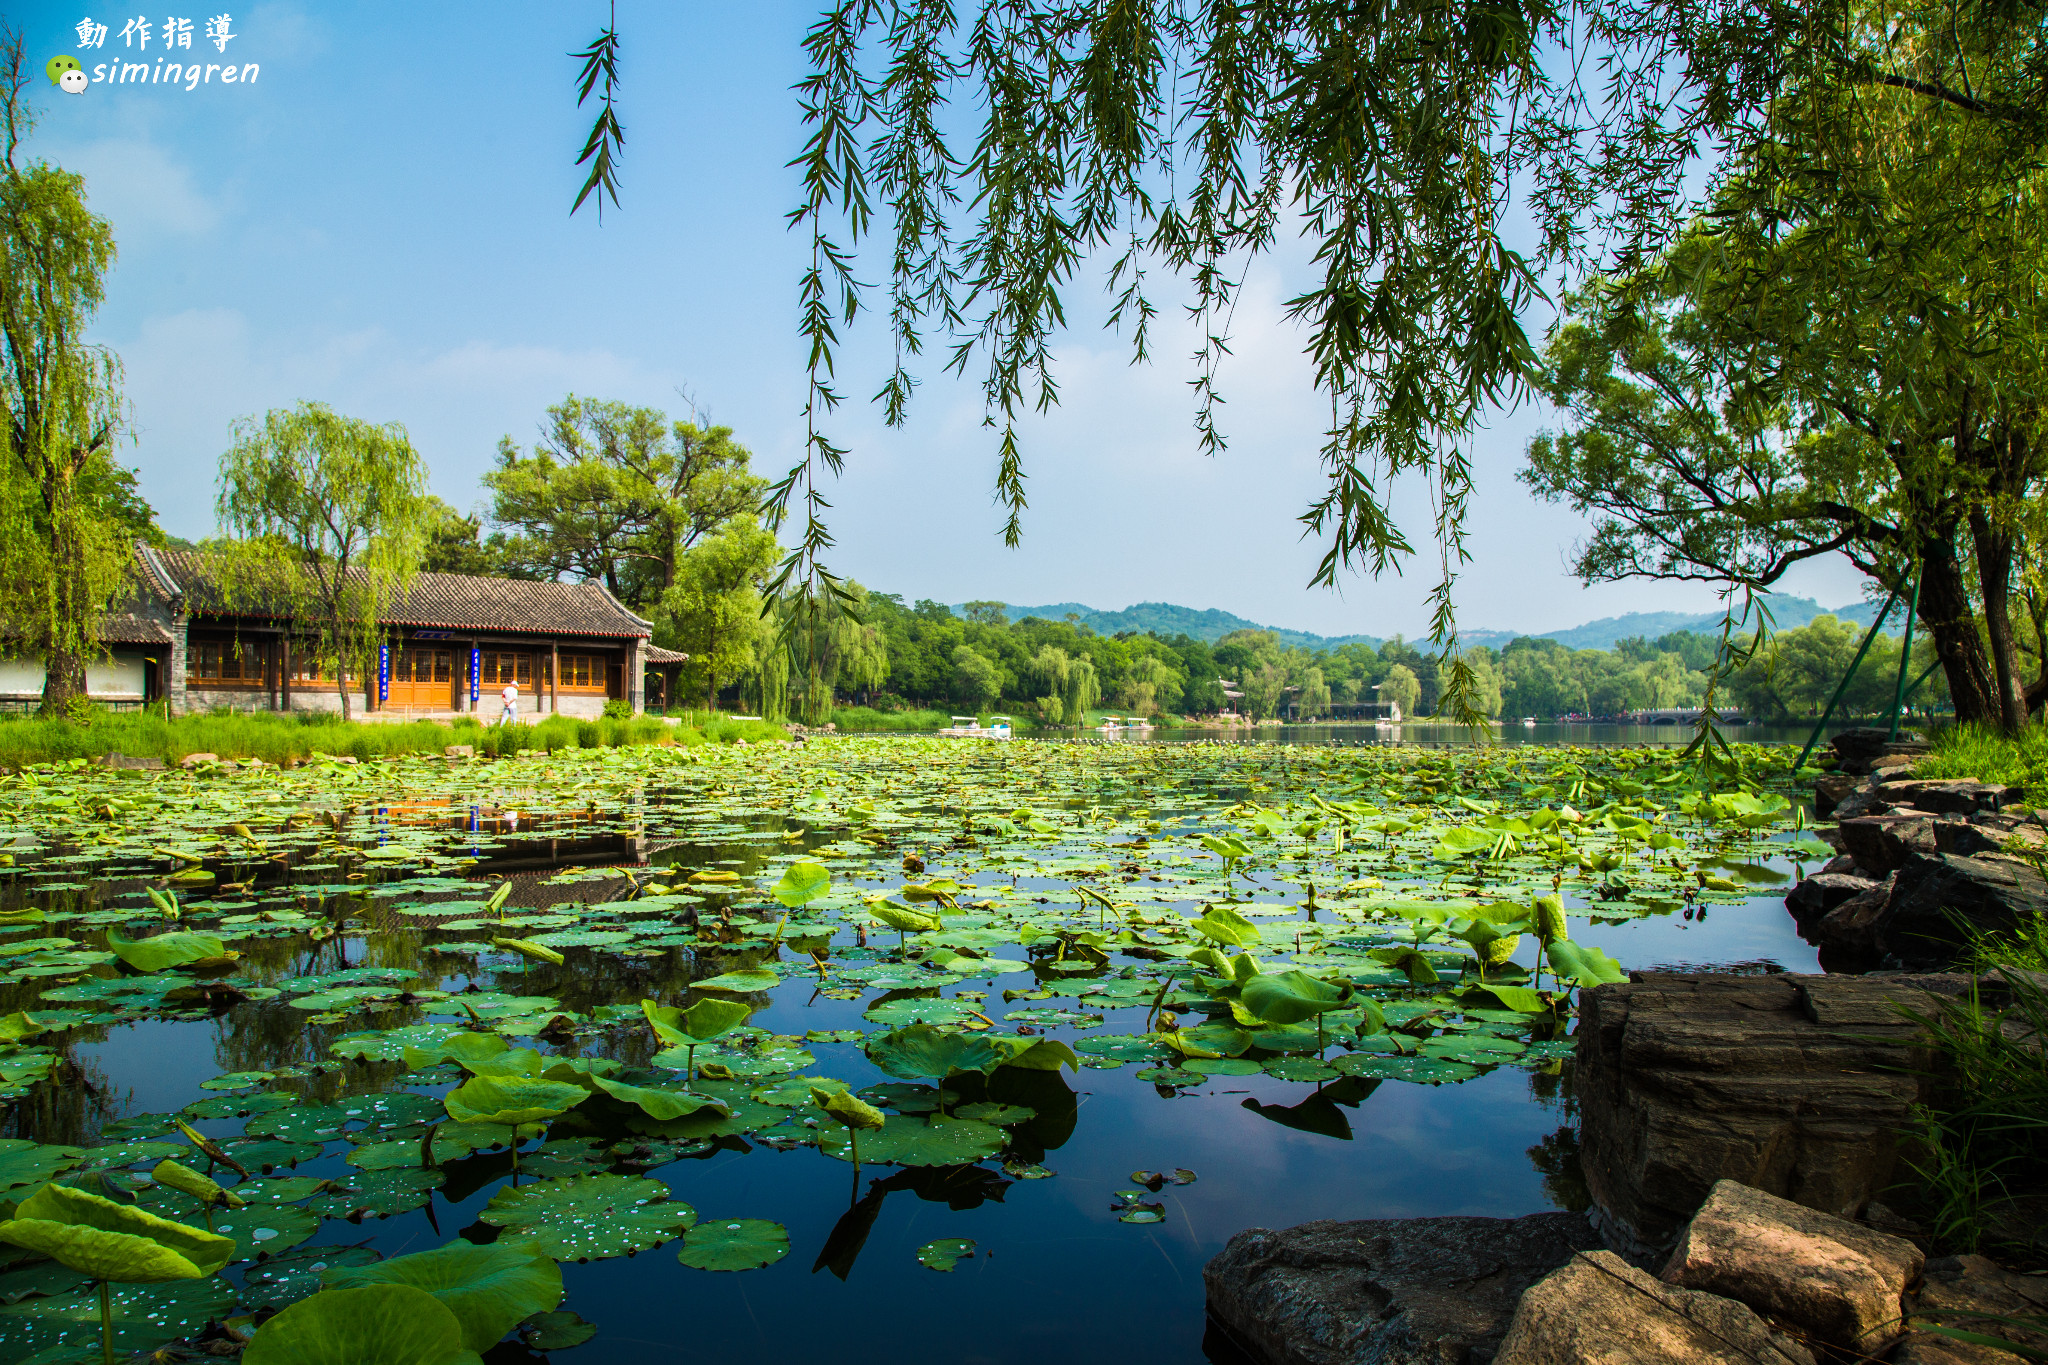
(970, 727)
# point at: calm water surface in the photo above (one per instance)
(1060, 1277)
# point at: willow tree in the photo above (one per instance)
(68, 512)
(331, 515)
(992, 153)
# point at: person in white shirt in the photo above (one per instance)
(511, 696)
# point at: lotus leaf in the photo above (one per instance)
(701, 1022)
(850, 1110)
(488, 1288)
(111, 1241)
(527, 948)
(31, 1163)
(511, 1099)
(742, 982)
(460, 1048)
(801, 884)
(1223, 1066)
(1036, 1054)
(1518, 998)
(1292, 996)
(945, 1253)
(557, 1331)
(923, 1051)
(391, 1324)
(286, 1279)
(655, 1103)
(734, 1244)
(165, 950)
(378, 1194)
(266, 1229)
(143, 1317)
(1583, 964)
(203, 1188)
(589, 1217)
(1226, 926)
(903, 919)
(902, 1141)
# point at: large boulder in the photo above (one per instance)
(1951, 796)
(1797, 1085)
(1833, 1280)
(1822, 892)
(1414, 1291)
(1938, 899)
(1884, 843)
(1600, 1310)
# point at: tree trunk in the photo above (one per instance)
(63, 659)
(1950, 620)
(1994, 576)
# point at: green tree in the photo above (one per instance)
(333, 515)
(618, 494)
(979, 680)
(987, 613)
(1084, 689)
(1315, 694)
(454, 542)
(1403, 688)
(68, 512)
(712, 612)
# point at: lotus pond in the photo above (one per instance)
(835, 1050)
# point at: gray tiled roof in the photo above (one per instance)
(657, 655)
(444, 601)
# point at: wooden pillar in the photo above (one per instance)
(284, 672)
(555, 677)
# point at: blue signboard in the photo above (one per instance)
(476, 673)
(383, 674)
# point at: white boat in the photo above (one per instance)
(1529, 721)
(972, 728)
(1110, 725)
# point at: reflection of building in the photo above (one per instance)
(450, 644)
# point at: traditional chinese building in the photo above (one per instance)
(449, 645)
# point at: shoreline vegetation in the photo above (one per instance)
(290, 738)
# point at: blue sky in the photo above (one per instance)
(380, 221)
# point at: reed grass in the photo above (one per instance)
(1990, 755)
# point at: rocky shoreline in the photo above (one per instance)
(1736, 1133)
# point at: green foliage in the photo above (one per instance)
(2019, 759)
(489, 1289)
(333, 517)
(617, 494)
(68, 512)
(111, 1241)
(392, 1324)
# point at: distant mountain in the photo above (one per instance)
(1211, 625)
(1166, 619)
(1787, 613)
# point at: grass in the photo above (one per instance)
(854, 720)
(1983, 752)
(277, 738)
(1984, 1137)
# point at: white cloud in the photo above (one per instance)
(140, 186)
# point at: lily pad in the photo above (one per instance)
(945, 1253)
(392, 1324)
(589, 1217)
(905, 1141)
(734, 1244)
(145, 1317)
(488, 1288)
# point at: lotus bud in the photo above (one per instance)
(1550, 921)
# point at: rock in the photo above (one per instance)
(1822, 892)
(127, 762)
(1831, 1279)
(1989, 894)
(1847, 934)
(459, 751)
(1417, 1291)
(1856, 749)
(1883, 843)
(1958, 1286)
(1796, 1085)
(1599, 1310)
(1951, 796)
(1830, 790)
(1867, 799)
(1968, 838)
(194, 760)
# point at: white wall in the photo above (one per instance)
(120, 678)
